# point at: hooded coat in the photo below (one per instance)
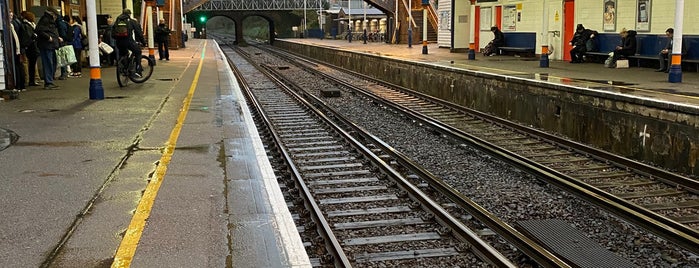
(628, 43)
(581, 36)
(46, 32)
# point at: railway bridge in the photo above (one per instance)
(281, 18)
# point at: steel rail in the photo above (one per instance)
(660, 225)
(332, 243)
(480, 247)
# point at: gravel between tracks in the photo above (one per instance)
(507, 192)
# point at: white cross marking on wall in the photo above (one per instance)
(644, 134)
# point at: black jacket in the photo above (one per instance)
(134, 28)
(45, 30)
(499, 39)
(29, 39)
(162, 33)
(581, 37)
(628, 46)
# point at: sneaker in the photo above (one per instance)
(61, 78)
(51, 86)
(33, 84)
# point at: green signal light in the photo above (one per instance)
(202, 19)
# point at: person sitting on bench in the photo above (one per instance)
(665, 52)
(498, 40)
(625, 49)
(579, 43)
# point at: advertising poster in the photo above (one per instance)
(609, 16)
(643, 15)
(486, 18)
(509, 18)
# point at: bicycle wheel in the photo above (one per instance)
(122, 72)
(145, 72)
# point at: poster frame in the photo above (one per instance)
(486, 18)
(643, 15)
(609, 14)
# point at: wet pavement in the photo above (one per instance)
(76, 169)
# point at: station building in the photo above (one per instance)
(553, 22)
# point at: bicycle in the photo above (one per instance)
(127, 69)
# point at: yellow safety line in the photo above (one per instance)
(127, 248)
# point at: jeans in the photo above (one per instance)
(48, 63)
(163, 50)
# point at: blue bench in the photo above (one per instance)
(648, 46)
(604, 43)
(691, 44)
(519, 43)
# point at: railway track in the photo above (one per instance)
(366, 212)
(659, 201)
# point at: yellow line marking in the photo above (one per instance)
(127, 248)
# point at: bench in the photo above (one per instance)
(691, 44)
(519, 43)
(648, 46)
(604, 43)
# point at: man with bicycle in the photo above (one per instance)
(124, 30)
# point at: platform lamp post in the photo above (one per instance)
(96, 89)
(410, 23)
(320, 19)
(364, 22)
(305, 33)
(544, 61)
(349, 20)
(425, 3)
(675, 72)
(472, 36)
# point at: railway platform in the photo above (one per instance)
(169, 173)
(634, 81)
(181, 152)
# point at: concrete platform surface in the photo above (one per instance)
(79, 168)
(640, 82)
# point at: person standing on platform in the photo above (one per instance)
(107, 39)
(62, 26)
(162, 37)
(16, 36)
(32, 52)
(76, 33)
(47, 41)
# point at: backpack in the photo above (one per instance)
(70, 34)
(121, 28)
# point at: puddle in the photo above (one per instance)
(608, 82)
